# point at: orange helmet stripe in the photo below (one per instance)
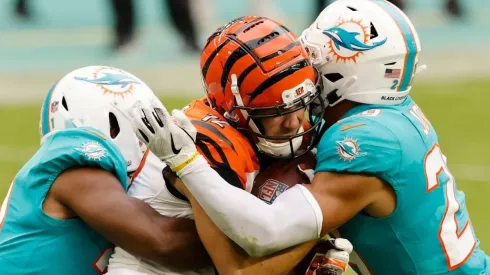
(247, 48)
(211, 57)
(277, 77)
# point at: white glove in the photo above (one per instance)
(170, 138)
(336, 259)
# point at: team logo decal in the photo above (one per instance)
(348, 149)
(93, 150)
(112, 81)
(349, 39)
(271, 189)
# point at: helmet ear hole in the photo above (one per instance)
(114, 125)
(374, 32)
(63, 102)
(333, 77)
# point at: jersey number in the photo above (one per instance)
(457, 247)
(395, 83)
(215, 120)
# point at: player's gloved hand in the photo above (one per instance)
(170, 138)
(336, 259)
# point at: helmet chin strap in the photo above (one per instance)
(236, 93)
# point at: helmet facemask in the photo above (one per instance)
(294, 145)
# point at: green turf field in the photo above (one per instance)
(459, 112)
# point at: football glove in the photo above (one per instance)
(336, 259)
(170, 138)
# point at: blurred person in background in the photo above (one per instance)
(205, 13)
(179, 10)
(22, 10)
(452, 7)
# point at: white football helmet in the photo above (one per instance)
(366, 50)
(97, 96)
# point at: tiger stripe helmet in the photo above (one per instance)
(254, 68)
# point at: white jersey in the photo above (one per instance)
(150, 187)
(227, 151)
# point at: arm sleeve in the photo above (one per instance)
(257, 227)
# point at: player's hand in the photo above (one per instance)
(336, 259)
(170, 138)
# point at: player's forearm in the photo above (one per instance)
(182, 246)
(131, 223)
(227, 257)
(281, 262)
(231, 259)
(259, 228)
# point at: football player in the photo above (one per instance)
(381, 180)
(259, 82)
(68, 203)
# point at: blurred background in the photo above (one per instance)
(41, 40)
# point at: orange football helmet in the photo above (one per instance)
(254, 68)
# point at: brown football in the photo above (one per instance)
(281, 175)
(277, 178)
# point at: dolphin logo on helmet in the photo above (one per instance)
(348, 40)
(110, 79)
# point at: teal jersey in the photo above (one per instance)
(429, 231)
(32, 242)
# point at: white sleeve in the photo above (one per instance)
(259, 228)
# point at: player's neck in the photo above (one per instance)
(335, 113)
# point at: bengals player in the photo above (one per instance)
(259, 84)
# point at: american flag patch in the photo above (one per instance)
(393, 73)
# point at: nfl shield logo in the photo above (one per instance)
(270, 190)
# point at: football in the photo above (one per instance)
(277, 178)
(281, 175)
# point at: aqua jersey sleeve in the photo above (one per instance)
(32, 242)
(81, 147)
(359, 144)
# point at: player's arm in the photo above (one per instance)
(309, 211)
(259, 228)
(228, 258)
(341, 196)
(98, 198)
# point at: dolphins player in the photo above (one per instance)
(68, 202)
(381, 180)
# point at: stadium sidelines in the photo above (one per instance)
(184, 79)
